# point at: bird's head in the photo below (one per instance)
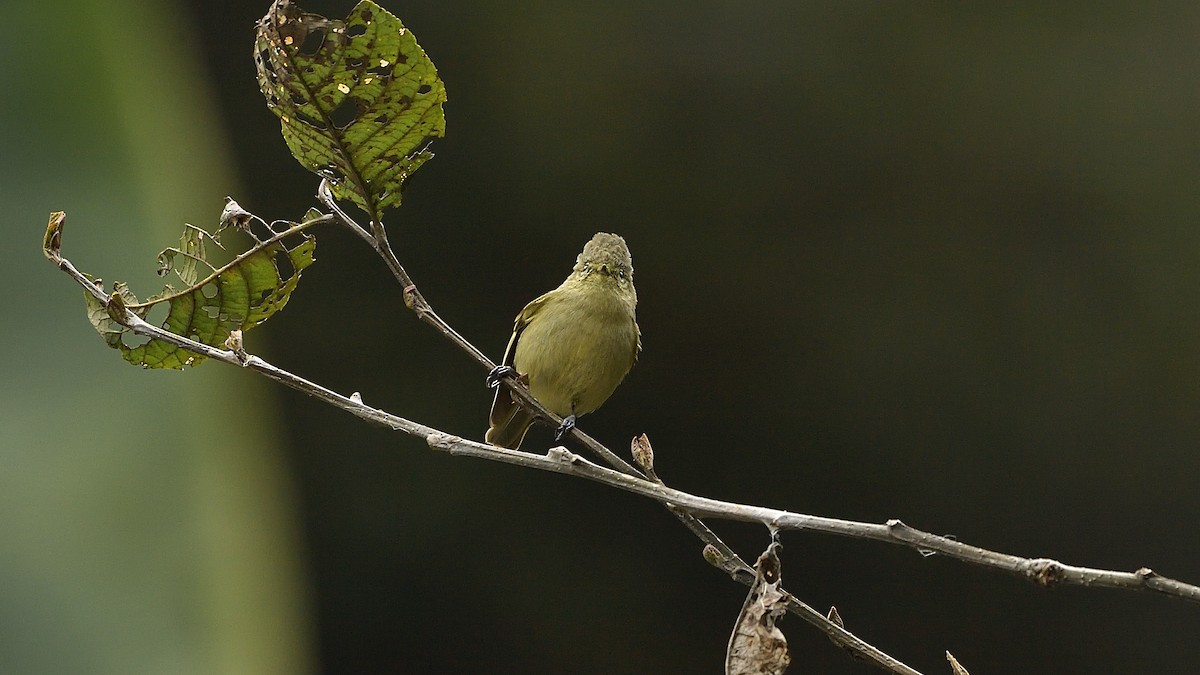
(606, 254)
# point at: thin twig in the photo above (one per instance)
(377, 238)
(325, 196)
(728, 560)
(1043, 571)
(724, 558)
(415, 301)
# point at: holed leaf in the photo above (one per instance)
(757, 646)
(358, 100)
(217, 300)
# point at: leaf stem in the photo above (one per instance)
(258, 246)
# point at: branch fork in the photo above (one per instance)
(688, 508)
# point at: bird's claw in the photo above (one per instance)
(499, 373)
(565, 428)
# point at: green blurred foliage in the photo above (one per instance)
(146, 519)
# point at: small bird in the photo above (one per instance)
(573, 345)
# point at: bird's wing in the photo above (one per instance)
(507, 422)
(637, 343)
(519, 325)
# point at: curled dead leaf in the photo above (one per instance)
(757, 646)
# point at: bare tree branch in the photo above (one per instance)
(1043, 571)
(557, 460)
(723, 557)
(688, 507)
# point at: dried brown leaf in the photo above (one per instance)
(757, 646)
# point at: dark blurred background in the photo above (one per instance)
(918, 261)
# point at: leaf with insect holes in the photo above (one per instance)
(217, 300)
(358, 100)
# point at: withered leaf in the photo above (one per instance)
(757, 646)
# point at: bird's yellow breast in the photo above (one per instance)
(578, 346)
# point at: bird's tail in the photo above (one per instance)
(508, 421)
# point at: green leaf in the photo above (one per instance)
(358, 100)
(217, 300)
(194, 254)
